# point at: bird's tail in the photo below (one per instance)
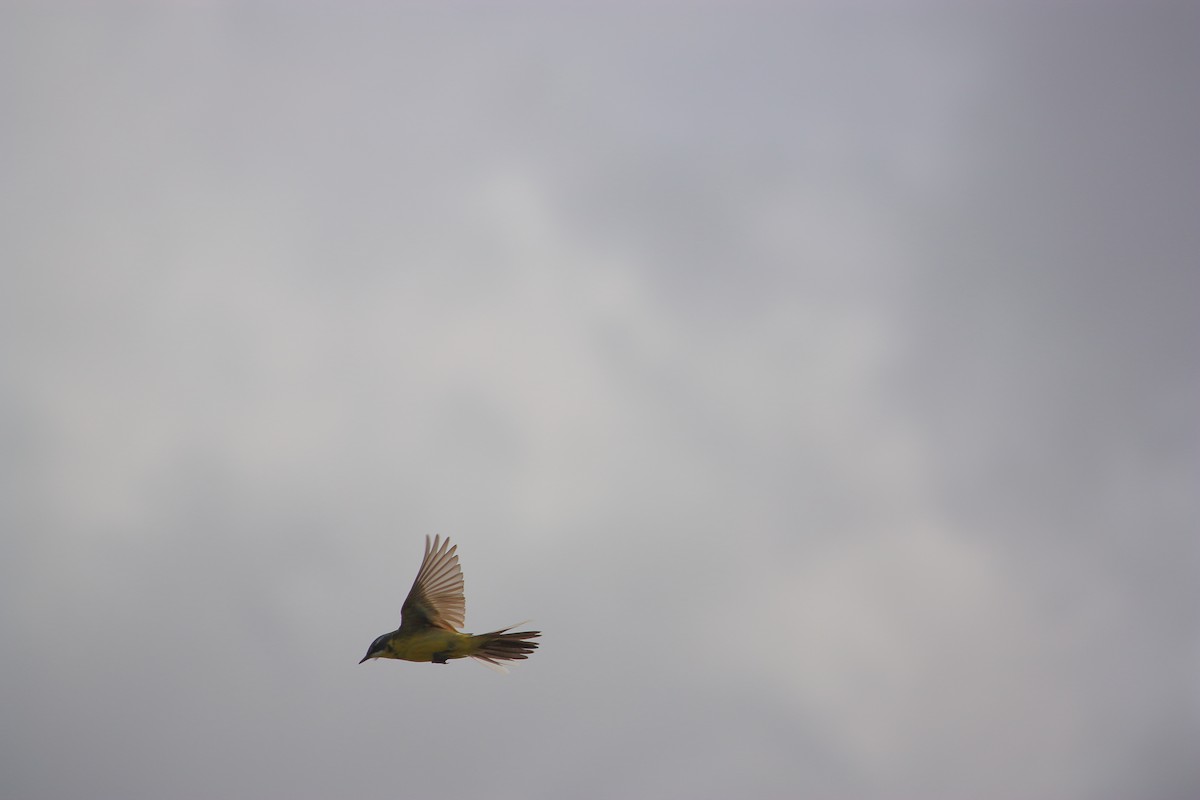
(501, 645)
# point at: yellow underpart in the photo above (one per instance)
(425, 644)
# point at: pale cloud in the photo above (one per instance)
(822, 388)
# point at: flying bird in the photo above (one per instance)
(433, 613)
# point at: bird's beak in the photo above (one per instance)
(364, 658)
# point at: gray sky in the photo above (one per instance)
(821, 382)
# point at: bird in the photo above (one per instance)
(432, 616)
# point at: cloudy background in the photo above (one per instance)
(823, 383)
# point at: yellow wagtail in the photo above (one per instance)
(432, 614)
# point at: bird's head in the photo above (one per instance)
(377, 648)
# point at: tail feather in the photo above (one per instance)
(504, 646)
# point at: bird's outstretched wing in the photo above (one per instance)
(436, 598)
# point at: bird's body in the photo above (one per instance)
(426, 644)
(433, 613)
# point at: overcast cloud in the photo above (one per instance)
(822, 382)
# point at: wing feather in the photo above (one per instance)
(436, 598)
